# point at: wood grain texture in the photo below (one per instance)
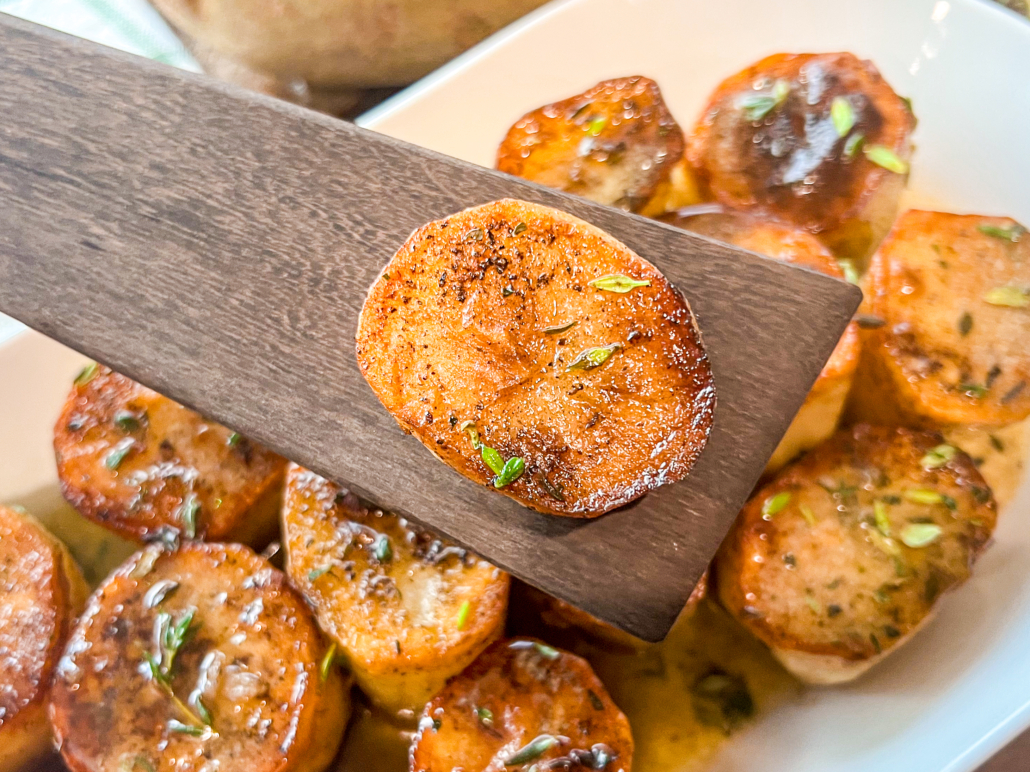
(217, 245)
(1014, 757)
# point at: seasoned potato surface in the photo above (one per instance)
(523, 704)
(953, 293)
(615, 144)
(531, 351)
(197, 659)
(817, 140)
(846, 552)
(408, 609)
(41, 591)
(817, 419)
(141, 465)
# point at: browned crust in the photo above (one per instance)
(232, 485)
(527, 694)
(913, 366)
(742, 173)
(615, 143)
(41, 591)
(752, 582)
(103, 704)
(455, 331)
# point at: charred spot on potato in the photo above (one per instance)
(582, 400)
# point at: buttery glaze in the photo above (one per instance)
(244, 683)
(407, 608)
(905, 517)
(603, 394)
(616, 144)
(953, 295)
(768, 141)
(146, 467)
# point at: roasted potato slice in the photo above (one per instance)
(408, 609)
(615, 143)
(845, 554)
(144, 466)
(523, 705)
(818, 417)
(953, 294)
(199, 658)
(591, 385)
(817, 140)
(41, 591)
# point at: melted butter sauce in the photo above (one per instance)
(652, 686)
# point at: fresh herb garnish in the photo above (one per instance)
(513, 469)
(126, 420)
(531, 752)
(171, 635)
(775, 504)
(916, 535)
(519, 228)
(965, 324)
(870, 322)
(923, 496)
(843, 115)
(1011, 233)
(87, 374)
(596, 126)
(187, 514)
(721, 700)
(234, 440)
(618, 282)
(1013, 297)
(807, 513)
(590, 358)
(757, 106)
(545, 651)
(883, 523)
(325, 666)
(485, 716)
(559, 328)
(938, 457)
(202, 711)
(853, 144)
(595, 701)
(847, 265)
(475, 234)
(141, 762)
(383, 549)
(973, 390)
(317, 573)
(463, 614)
(996, 443)
(117, 454)
(885, 157)
(180, 728)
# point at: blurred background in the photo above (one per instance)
(338, 56)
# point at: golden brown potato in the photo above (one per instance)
(818, 417)
(199, 658)
(953, 293)
(615, 143)
(41, 591)
(523, 705)
(145, 466)
(591, 383)
(817, 140)
(843, 556)
(408, 609)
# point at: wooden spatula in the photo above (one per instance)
(217, 246)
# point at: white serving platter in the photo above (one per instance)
(961, 689)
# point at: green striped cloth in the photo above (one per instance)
(131, 25)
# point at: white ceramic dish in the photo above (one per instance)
(961, 690)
